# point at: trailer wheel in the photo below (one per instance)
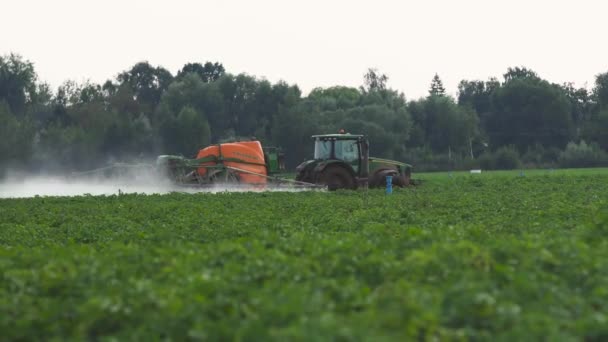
(336, 177)
(225, 177)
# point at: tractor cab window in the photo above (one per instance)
(347, 150)
(322, 149)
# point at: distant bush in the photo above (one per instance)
(505, 158)
(538, 156)
(423, 159)
(583, 155)
(575, 155)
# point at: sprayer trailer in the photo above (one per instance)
(242, 165)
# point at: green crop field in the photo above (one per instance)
(494, 256)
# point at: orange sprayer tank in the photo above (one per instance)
(250, 152)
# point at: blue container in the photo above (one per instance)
(389, 185)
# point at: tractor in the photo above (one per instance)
(342, 161)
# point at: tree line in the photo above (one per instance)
(520, 120)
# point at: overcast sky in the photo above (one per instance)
(312, 43)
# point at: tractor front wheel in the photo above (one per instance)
(336, 177)
(379, 178)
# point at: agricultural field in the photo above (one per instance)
(494, 256)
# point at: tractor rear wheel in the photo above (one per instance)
(336, 177)
(304, 176)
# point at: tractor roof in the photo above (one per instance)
(346, 136)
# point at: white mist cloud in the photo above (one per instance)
(31, 186)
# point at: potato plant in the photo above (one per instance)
(479, 257)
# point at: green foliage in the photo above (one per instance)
(437, 88)
(66, 148)
(529, 111)
(580, 102)
(387, 129)
(600, 91)
(582, 155)
(187, 133)
(596, 129)
(16, 138)
(136, 115)
(424, 159)
(520, 73)
(293, 128)
(445, 125)
(147, 83)
(374, 81)
(505, 158)
(477, 94)
(208, 73)
(471, 257)
(17, 82)
(334, 98)
(539, 157)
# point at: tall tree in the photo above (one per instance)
(191, 91)
(529, 111)
(292, 129)
(519, 72)
(208, 73)
(337, 97)
(600, 90)
(580, 103)
(437, 88)
(17, 82)
(448, 128)
(239, 93)
(186, 133)
(596, 129)
(147, 83)
(477, 94)
(374, 80)
(17, 140)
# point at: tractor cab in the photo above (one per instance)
(349, 148)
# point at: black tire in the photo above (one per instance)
(378, 179)
(399, 181)
(304, 176)
(408, 177)
(336, 177)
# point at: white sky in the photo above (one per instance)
(312, 43)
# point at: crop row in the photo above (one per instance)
(459, 258)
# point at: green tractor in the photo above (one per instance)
(342, 161)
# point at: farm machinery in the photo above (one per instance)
(341, 161)
(244, 162)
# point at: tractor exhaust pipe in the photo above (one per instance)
(364, 158)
